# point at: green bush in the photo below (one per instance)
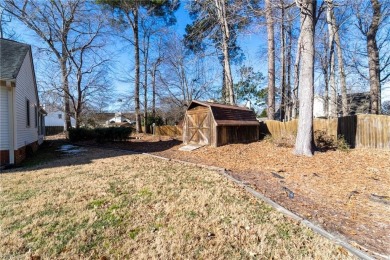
(112, 134)
(101, 135)
(263, 113)
(81, 134)
(342, 144)
(157, 120)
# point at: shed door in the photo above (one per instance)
(199, 126)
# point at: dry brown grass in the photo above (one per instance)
(135, 206)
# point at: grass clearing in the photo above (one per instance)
(135, 206)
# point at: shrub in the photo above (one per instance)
(157, 120)
(101, 135)
(263, 113)
(324, 141)
(81, 134)
(342, 144)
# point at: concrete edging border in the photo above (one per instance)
(337, 240)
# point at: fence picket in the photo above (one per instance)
(360, 131)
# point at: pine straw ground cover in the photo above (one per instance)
(104, 204)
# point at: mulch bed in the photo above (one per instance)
(346, 193)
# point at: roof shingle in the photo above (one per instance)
(12, 55)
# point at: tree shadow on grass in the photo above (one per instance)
(60, 152)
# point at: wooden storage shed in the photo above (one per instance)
(215, 124)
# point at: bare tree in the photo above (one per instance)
(336, 42)
(223, 23)
(332, 101)
(369, 29)
(182, 76)
(283, 93)
(271, 59)
(130, 10)
(304, 144)
(295, 89)
(53, 22)
(88, 65)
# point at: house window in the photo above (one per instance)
(59, 116)
(27, 113)
(36, 116)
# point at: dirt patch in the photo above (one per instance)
(344, 192)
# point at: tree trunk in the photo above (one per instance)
(373, 58)
(224, 91)
(146, 57)
(326, 92)
(79, 106)
(325, 71)
(332, 77)
(304, 144)
(154, 90)
(228, 74)
(283, 67)
(340, 60)
(221, 9)
(289, 61)
(271, 59)
(296, 79)
(65, 88)
(138, 127)
(343, 81)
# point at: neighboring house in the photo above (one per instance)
(57, 118)
(319, 107)
(55, 122)
(21, 117)
(358, 103)
(103, 119)
(118, 118)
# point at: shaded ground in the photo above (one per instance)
(106, 204)
(344, 192)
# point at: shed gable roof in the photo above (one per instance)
(228, 114)
(12, 55)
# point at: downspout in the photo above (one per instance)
(11, 120)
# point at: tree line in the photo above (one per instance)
(332, 48)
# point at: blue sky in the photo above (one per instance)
(251, 43)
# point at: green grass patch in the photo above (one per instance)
(134, 233)
(97, 203)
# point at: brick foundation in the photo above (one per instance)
(4, 157)
(19, 154)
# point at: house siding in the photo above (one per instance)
(4, 119)
(52, 119)
(25, 89)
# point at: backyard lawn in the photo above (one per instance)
(110, 205)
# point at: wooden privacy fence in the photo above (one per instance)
(53, 130)
(168, 130)
(370, 131)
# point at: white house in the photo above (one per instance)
(118, 118)
(21, 118)
(319, 107)
(57, 118)
(358, 103)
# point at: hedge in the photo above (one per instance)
(101, 135)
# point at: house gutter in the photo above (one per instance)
(11, 121)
